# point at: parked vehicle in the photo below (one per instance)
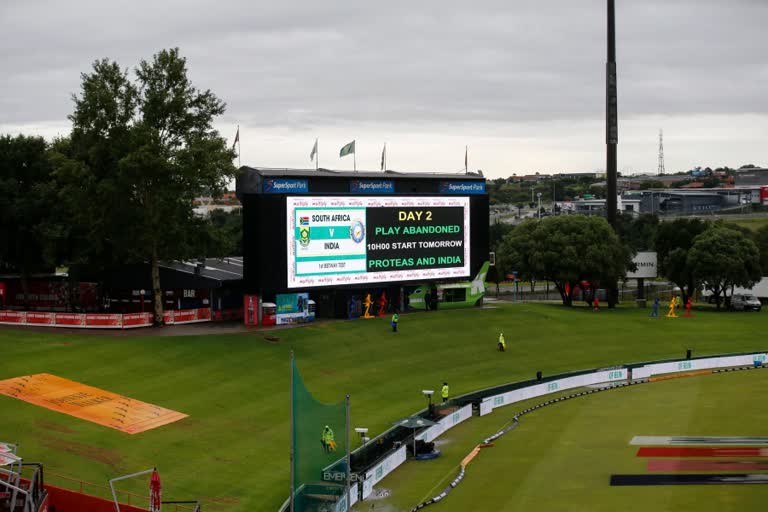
(744, 302)
(760, 291)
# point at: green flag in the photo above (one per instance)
(349, 148)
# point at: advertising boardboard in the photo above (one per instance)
(647, 266)
(358, 240)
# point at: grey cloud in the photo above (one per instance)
(303, 64)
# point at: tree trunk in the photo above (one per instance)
(157, 292)
(24, 289)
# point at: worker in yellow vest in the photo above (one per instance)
(444, 392)
(502, 343)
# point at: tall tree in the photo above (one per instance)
(147, 149)
(25, 210)
(721, 258)
(761, 240)
(567, 250)
(673, 241)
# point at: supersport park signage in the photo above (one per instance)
(357, 240)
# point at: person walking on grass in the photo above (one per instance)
(395, 320)
(655, 308)
(596, 304)
(444, 392)
(502, 344)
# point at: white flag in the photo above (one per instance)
(383, 157)
(314, 151)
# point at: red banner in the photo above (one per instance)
(70, 319)
(168, 317)
(13, 317)
(98, 320)
(41, 318)
(182, 316)
(137, 320)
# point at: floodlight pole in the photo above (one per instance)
(611, 118)
(293, 470)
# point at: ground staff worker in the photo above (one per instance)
(395, 319)
(444, 392)
(502, 344)
(328, 440)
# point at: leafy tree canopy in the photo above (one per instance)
(567, 250)
(721, 258)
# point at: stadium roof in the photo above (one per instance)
(268, 172)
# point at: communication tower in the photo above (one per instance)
(661, 152)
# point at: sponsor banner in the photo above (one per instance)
(168, 317)
(284, 186)
(446, 423)
(700, 364)
(13, 317)
(292, 308)
(655, 465)
(578, 381)
(690, 479)
(385, 467)
(687, 451)
(105, 320)
(700, 440)
(372, 187)
(486, 406)
(70, 319)
(462, 187)
(352, 494)
(182, 316)
(188, 316)
(137, 320)
(35, 318)
(647, 266)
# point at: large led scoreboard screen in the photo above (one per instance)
(351, 240)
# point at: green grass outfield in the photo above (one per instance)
(561, 457)
(234, 446)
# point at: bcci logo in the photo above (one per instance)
(304, 231)
(357, 231)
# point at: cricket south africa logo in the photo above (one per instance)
(304, 231)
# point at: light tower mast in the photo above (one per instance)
(661, 152)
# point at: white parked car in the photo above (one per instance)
(744, 302)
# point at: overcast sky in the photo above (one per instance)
(521, 82)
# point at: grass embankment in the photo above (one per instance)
(234, 446)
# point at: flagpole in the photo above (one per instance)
(354, 160)
(293, 433)
(466, 153)
(349, 462)
(239, 148)
(317, 156)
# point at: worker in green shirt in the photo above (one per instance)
(327, 439)
(502, 344)
(395, 319)
(444, 392)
